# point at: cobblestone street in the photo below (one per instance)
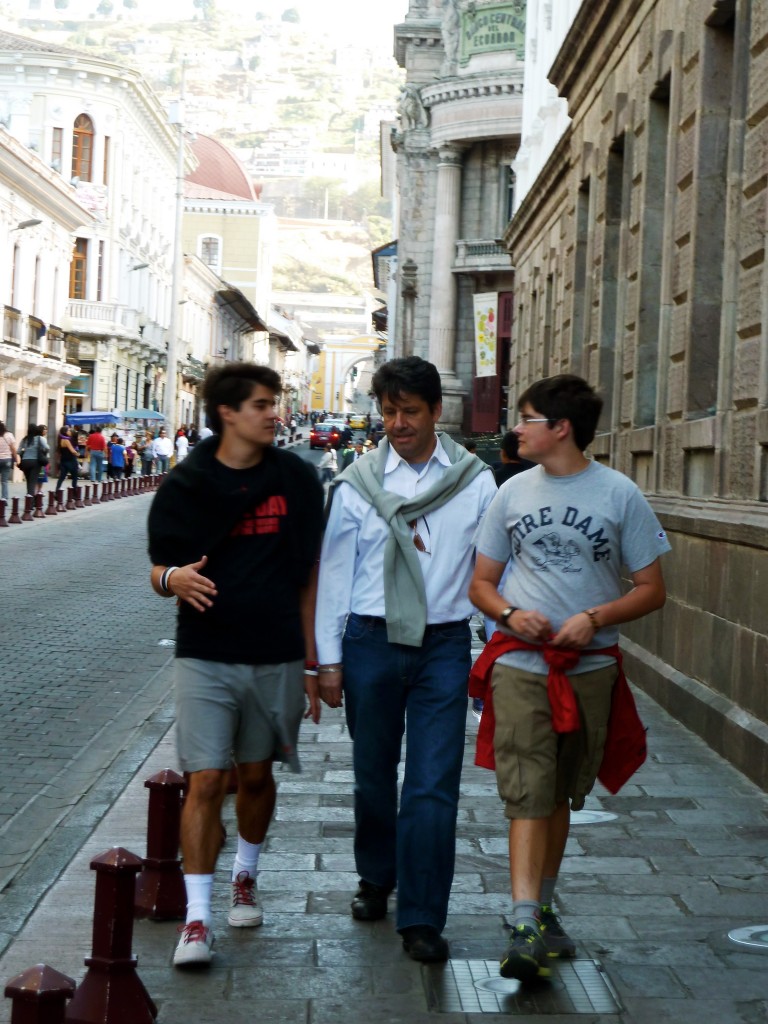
(84, 686)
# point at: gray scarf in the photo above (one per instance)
(405, 600)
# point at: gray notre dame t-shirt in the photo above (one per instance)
(568, 538)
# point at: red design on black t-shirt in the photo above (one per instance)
(265, 518)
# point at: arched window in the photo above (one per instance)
(82, 148)
(210, 252)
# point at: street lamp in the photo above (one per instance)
(31, 223)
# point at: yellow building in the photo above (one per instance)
(228, 228)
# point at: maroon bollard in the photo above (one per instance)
(78, 496)
(39, 995)
(160, 892)
(51, 510)
(60, 506)
(87, 495)
(123, 487)
(95, 500)
(107, 495)
(111, 991)
(3, 505)
(115, 490)
(39, 500)
(14, 517)
(29, 504)
(70, 499)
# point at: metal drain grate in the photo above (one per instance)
(474, 986)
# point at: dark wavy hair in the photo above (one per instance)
(411, 376)
(510, 444)
(232, 384)
(566, 397)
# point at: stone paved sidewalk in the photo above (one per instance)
(649, 894)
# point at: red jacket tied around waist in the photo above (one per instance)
(625, 745)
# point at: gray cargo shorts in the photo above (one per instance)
(240, 713)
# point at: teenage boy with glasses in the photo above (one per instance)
(568, 525)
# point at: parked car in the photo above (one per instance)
(358, 421)
(324, 433)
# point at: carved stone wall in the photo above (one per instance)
(639, 255)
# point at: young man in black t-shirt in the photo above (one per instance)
(234, 535)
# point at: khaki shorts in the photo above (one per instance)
(537, 768)
(240, 713)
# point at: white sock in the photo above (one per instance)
(199, 889)
(246, 858)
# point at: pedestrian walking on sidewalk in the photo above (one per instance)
(327, 466)
(568, 525)
(393, 637)
(97, 448)
(68, 464)
(234, 536)
(8, 458)
(33, 454)
(162, 450)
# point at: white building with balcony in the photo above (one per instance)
(103, 131)
(38, 215)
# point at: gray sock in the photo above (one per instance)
(547, 891)
(525, 912)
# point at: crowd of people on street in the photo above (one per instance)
(278, 616)
(91, 455)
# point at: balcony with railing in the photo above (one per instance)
(12, 323)
(28, 349)
(111, 319)
(481, 256)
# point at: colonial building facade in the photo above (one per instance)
(38, 215)
(459, 127)
(104, 132)
(639, 253)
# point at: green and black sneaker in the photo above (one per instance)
(556, 940)
(526, 955)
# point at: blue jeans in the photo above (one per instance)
(386, 686)
(96, 466)
(6, 469)
(163, 462)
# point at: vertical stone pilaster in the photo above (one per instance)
(443, 299)
(442, 309)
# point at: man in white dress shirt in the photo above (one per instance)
(393, 641)
(162, 450)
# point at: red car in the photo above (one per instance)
(324, 433)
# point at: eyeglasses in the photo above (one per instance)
(417, 538)
(525, 420)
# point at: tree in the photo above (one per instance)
(208, 8)
(291, 15)
(105, 7)
(60, 5)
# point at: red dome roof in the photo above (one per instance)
(219, 170)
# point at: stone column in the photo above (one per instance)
(443, 299)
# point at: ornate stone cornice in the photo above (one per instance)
(597, 28)
(416, 33)
(479, 87)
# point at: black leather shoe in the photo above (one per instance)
(424, 943)
(369, 902)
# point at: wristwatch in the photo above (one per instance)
(504, 617)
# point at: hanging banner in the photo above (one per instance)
(486, 324)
